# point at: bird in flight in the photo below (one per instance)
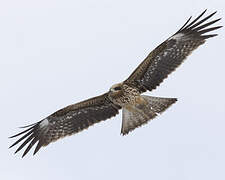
(137, 109)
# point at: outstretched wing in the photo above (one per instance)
(171, 53)
(67, 121)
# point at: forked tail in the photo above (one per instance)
(149, 107)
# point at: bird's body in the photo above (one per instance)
(137, 109)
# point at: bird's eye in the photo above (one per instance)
(118, 88)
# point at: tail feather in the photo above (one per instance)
(149, 107)
(159, 104)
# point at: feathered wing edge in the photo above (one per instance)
(197, 26)
(31, 133)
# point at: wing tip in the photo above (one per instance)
(197, 27)
(30, 137)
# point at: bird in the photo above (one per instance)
(137, 109)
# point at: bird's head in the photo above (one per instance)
(116, 90)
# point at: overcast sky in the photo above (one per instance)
(55, 53)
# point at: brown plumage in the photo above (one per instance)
(137, 109)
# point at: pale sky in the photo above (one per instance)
(55, 53)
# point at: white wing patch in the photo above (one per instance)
(44, 123)
(177, 36)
